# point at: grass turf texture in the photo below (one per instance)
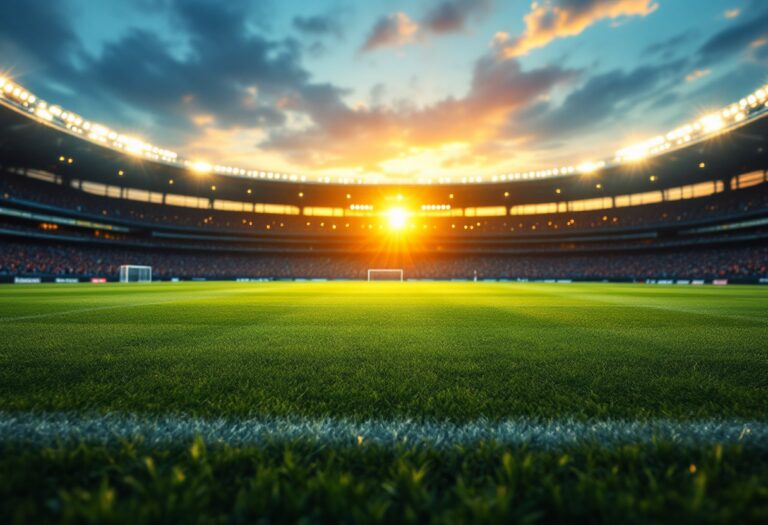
(440, 351)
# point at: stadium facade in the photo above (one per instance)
(78, 199)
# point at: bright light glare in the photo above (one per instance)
(712, 123)
(590, 167)
(201, 167)
(398, 218)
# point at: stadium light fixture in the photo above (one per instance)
(590, 167)
(43, 114)
(708, 125)
(398, 218)
(712, 123)
(200, 167)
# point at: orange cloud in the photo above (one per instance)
(203, 119)
(370, 139)
(553, 19)
(732, 13)
(394, 30)
(449, 16)
(696, 75)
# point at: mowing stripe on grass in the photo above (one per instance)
(304, 307)
(61, 427)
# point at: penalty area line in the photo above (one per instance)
(52, 428)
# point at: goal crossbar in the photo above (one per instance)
(374, 271)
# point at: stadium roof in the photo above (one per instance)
(720, 146)
(752, 107)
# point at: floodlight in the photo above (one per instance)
(589, 167)
(712, 123)
(201, 167)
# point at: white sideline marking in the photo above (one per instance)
(189, 298)
(79, 311)
(63, 427)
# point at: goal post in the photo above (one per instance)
(385, 274)
(130, 273)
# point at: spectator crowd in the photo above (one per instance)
(37, 259)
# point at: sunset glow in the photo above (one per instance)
(397, 218)
(398, 92)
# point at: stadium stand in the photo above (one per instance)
(78, 200)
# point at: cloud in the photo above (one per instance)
(697, 74)
(393, 30)
(737, 38)
(732, 13)
(667, 48)
(230, 76)
(238, 94)
(448, 16)
(37, 34)
(608, 96)
(235, 92)
(728, 85)
(319, 25)
(368, 137)
(553, 19)
(451, 16)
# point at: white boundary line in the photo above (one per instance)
(79, 311)
(191, 297)
(63, 427)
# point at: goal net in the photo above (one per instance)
(135, 274)
(378, 274)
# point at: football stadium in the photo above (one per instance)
(190, 337)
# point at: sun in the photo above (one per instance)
(398, 218)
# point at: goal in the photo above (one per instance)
(379, 274)
(135, 274)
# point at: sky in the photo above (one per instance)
(388, 89)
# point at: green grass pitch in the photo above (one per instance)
(468, 355)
